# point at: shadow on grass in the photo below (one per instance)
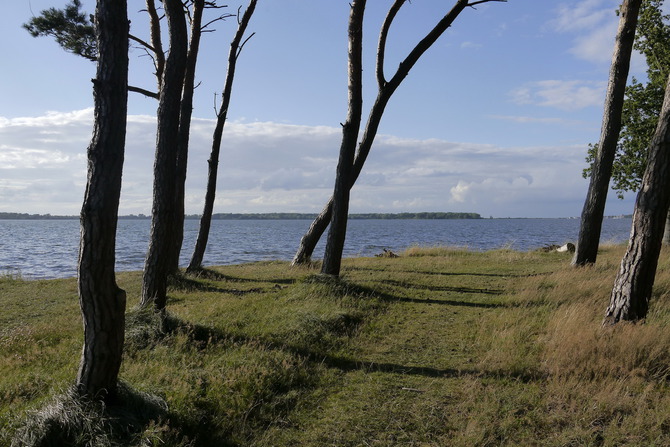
(186, 284)
(388, 297)
(433, 273)
(348, 365)
(442, 288)
(205, 335)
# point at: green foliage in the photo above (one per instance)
(643, 100)
(71, 28)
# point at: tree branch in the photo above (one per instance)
(143, 92)
(484, 1)
(221, 17)
(142, 42)
(156, 43)
(430, 38)
(239, 50)
(383, 35)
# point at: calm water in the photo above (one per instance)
(48, 248)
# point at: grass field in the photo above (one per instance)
(439, 347)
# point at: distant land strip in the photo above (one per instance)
(262, 216)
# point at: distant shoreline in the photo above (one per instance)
(298, 216)
(260, 216)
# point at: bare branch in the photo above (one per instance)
(383, 35)
(143, 92)
(220, 18)
(142, 42)
(472, 4)
(239, 50)
(213, 5)
(154, 21)
(430, 38)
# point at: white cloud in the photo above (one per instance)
(582, 15)
(597, 45)
(473, 45)
(268, 167)
(534, 120)
(593, 23)
(564, 95)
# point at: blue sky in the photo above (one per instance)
(494, 119)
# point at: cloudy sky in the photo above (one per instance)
(494, 119)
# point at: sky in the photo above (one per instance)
(494, 119)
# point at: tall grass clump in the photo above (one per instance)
(438, 250)
(75, 421)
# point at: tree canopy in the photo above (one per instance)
(70, 27)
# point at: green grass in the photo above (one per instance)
(437, 347)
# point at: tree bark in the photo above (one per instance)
(184, 133)
(385, 91)
(157, 264)
(633, 285)
(343, 179)
(666, 233)
(594, 206)
(213, 163)
(102, 302)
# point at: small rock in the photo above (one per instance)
(569, 247)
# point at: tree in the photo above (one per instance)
(642, 103)
(236, 46)
(338, 222)
(633, 285)
(185, 113)
(601, 172)
(386, 88)
(102, 302)
(157, 265)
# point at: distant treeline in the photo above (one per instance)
(25, 216)
(265, 216)
(308, 216)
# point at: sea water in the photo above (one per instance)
(38, 249)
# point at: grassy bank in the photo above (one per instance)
(437, 347)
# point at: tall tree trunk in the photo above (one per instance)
(666, 233)
(634, 282)
(594, 206)
(157, 264)
(184, 133)
(343, 178)
(385, 91)
(102, 302)
(213, 163)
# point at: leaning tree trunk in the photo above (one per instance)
(157, 264)
(385, 91)
(236, 46)
(594, 206)
(184, 134)
(343, 179)
(313, 234)
(634, 282)
(102, 302)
